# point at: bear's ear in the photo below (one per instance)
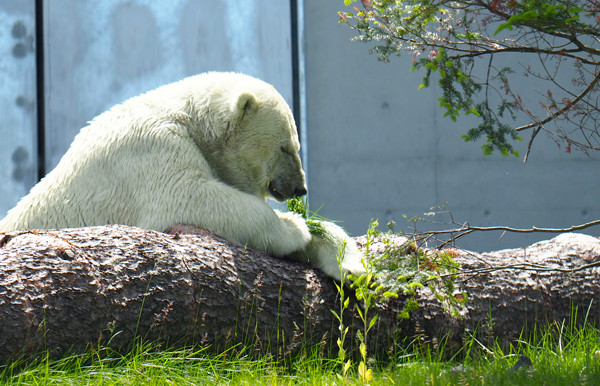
(246, 102)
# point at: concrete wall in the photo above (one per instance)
(18, 127)
(99, 53)
(380, 148)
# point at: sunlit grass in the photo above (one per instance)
(559, 356)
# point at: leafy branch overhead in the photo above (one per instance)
(481, 50)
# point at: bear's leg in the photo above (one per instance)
(228, 212)
(323, 252)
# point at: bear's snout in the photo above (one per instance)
(300, 192)
(281, 191)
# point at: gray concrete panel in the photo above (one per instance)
(18, 147)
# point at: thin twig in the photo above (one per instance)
(516, 230)
(533, 135)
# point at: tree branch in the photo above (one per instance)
(510, 229)
(564, 109)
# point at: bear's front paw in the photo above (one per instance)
(292, 236)
(333, 243)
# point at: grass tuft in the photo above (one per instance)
(560, 355)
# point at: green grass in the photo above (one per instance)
(559, 356)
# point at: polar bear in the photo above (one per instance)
(205, 151)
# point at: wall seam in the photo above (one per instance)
(40, 88)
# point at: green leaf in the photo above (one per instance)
(362, 370)
(502, 27)
(473, 111)
(431, 66)
(363, 350)
(347, 366)
(372, 322)
(523, 17)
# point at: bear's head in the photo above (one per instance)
(267, 146)
(258, 151)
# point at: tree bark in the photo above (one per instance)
(65, 291)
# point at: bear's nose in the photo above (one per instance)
(300, 192)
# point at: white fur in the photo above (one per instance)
(202, 151)
(323, 252)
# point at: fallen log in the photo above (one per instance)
(64, 291)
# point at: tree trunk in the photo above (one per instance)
(66, 290)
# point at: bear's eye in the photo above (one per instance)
(285, 151)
